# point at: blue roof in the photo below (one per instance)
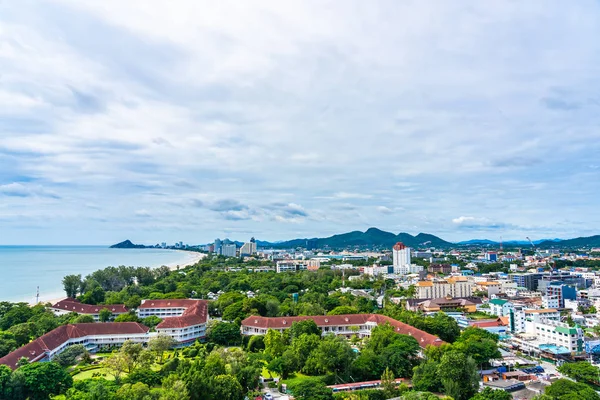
(554, 349)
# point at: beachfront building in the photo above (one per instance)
(70, 305)
(93, 336)
(183, 319)
(341, 325)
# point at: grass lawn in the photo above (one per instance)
(479, 315)
(88, 374)
(298, 377)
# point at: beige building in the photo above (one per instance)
(438, 288)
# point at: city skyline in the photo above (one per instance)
(299, 119)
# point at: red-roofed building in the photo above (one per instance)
(345, 325)
(183, 319)
(93, 336)
(70, 305)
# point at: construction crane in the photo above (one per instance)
(535, 251)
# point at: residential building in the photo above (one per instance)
(438, 288)
(551, 337)
(439, 269)
(490, 287)
(290, 266)
(401, 258)
(491, 256)
(523, 320)
(550, 302)
(229, 250)
(248, 248)
(70, 305)
(527, 280)
(313, 265)
(341, 325)
(500, 307)
(561, 292)
(218, 246)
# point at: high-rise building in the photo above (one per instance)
(218, 246)
(248, 248)
(228, 250)
(401, 256)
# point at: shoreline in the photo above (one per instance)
(191, 258)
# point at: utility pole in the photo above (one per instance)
(37, 296)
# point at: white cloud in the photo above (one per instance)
(435, 110)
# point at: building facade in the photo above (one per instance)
(401, 259)
(341, 325)
(70, 305)
(438, 288)
(229, 250)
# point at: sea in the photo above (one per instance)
(25, 268)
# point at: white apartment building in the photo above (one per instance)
(183, 319)
(438, 288)
(550, 301)
(248, 248)
(500, 307)
(523, 320)
(401, 258)
(229, 250)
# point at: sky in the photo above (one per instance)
(189, 120)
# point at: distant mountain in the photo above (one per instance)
(577, 243)
(127, 245)
(372, 238)
(478, 242)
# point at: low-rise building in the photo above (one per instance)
(344, 325)
(443, 304)
(500, 307)
(183, 319)
(93, 336)
(70, 305)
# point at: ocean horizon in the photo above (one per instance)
(25, 267)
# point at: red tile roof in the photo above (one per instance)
(195, 313)
(74, 305)
(422, 337)
(37, 349)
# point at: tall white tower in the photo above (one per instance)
(401, 255)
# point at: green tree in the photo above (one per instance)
(491, 394)
(274, 343)
(311, 389)
(23, 333)
(161, 343)
(307, 326)
(151, 321)
(41, 380)
(565, 389)
(174, 389)
(426, 377)
(388, 383)
(419, 396)
(580, 371)
(479, 344)
(84, 319)
(5, 374)
(459, 376)
(225, 333)
(226, 387)
(72, 285)
(127, 317)
(7, 343)
(136, 391)
(333, 355)
(256, 343)
(341, 310)
(136, 356)
(69, 356)
(105, 315)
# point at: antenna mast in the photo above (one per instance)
(37, 296)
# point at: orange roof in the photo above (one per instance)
(544, 311)
(424, 283)
(488, 283)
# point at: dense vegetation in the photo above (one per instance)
(228, 366)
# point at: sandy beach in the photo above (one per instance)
(192, 258)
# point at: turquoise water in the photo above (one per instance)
(23, 268)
